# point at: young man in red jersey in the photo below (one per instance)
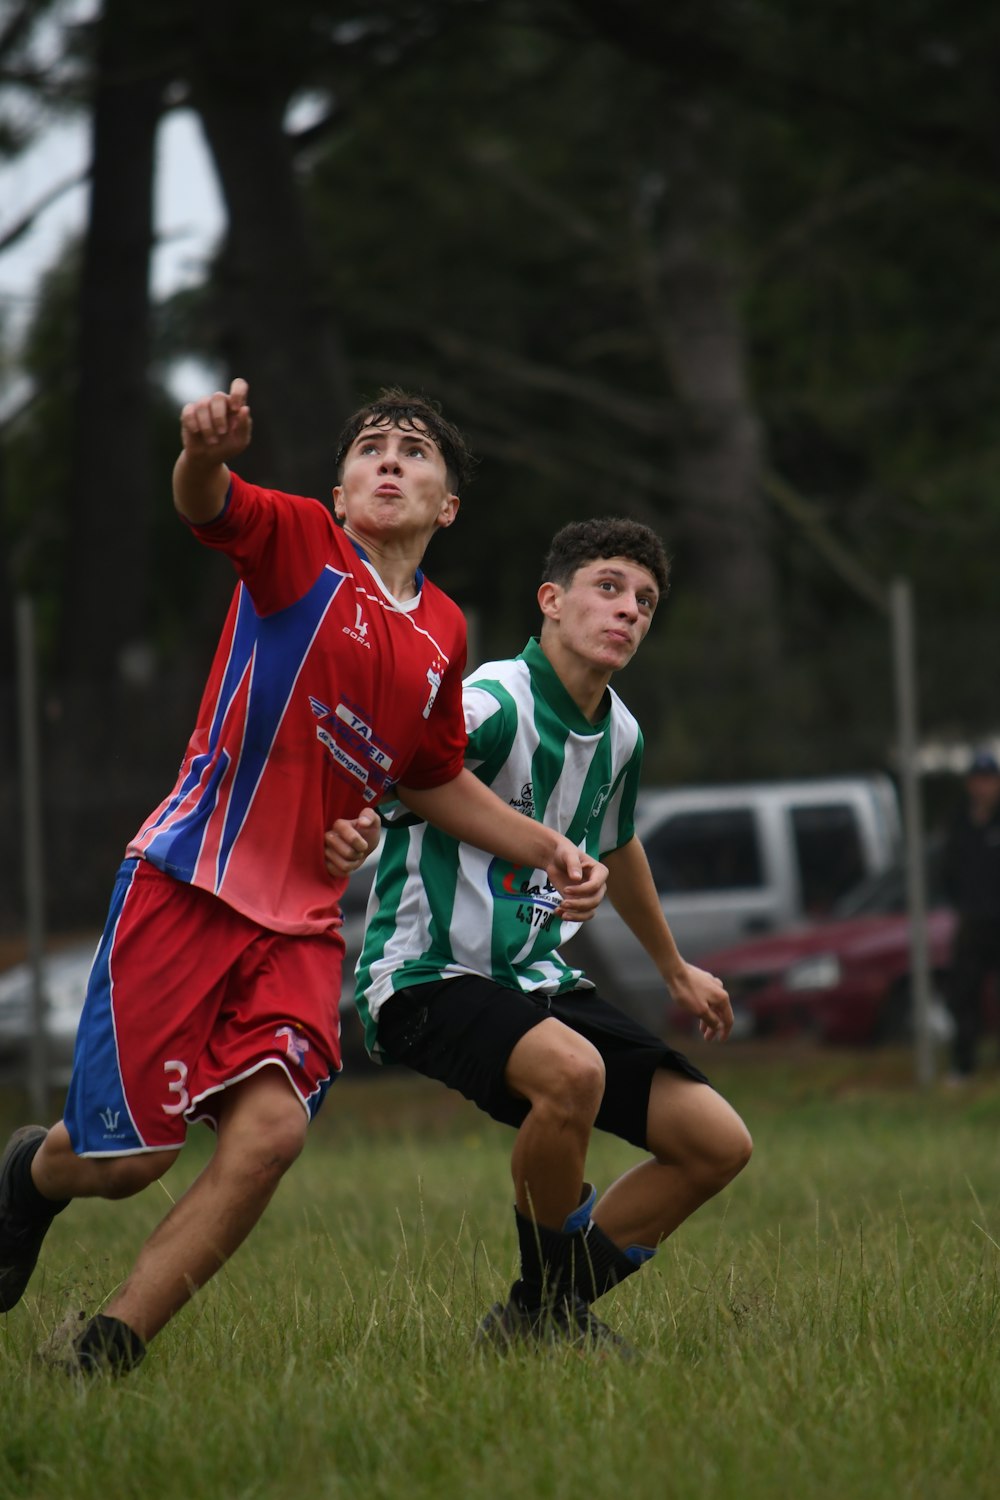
(214, 993)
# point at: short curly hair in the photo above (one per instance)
(582, 542)
(394, 407)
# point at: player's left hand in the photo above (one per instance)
(705, 996)
(580, 879)
(349, 842)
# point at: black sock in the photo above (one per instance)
(548, 1262)
(603, 1266)
(30, 1202)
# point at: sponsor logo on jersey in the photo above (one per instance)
(523, 885)
(354, 745)
(532, 893)
(526, 802)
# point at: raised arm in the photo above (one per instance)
(632, 893)
(214, 430)
(471, 812)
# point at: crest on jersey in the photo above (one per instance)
(600, 802)
(435, 673)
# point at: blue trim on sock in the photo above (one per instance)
(638, 1254)
(580, 1217)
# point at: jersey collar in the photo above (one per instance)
(418, 577)
(551, 684)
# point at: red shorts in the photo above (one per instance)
(187, 997)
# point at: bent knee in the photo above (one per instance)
(265, 1154)
(558, 1072)
(723, 1153)
(574, 1088)
(284, 1142)
(713, 1145)
(262, 1125)
(733, 1152)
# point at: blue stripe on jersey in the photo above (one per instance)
(273, 648)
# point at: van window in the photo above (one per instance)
(831, 860)
(716, 850)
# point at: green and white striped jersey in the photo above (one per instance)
(440, 908)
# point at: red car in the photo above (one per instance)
(843, 980)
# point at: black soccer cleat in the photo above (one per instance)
(84, 1346)
(568, 1322)
(21, 1234)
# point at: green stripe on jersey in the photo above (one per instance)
(440, 908)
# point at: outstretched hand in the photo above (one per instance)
(704, 996)
(349, 842)
(217, 427)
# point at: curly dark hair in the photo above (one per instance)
(394, 407)
(582, 542)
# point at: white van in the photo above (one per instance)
(730, 861)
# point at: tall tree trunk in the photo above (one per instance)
(690, 278)
(104, 704)
(106, 586)
(691, 283)
(278, 328)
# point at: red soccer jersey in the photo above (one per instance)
(324, 692)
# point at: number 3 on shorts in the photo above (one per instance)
(177, 1086)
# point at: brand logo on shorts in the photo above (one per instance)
(109, 1119)
(296, 1046)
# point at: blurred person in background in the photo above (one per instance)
(972, 886)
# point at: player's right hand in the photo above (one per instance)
(217, 426)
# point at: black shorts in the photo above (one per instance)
(462, 1031)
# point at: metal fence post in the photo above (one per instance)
(904, 666)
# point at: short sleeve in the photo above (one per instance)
(278, 543)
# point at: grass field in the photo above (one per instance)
(826, 1328)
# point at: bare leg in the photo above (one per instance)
(262, 1129)
(562, 1077)
(58, 1173)
(699, 1144)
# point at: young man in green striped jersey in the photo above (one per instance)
(461, 977)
